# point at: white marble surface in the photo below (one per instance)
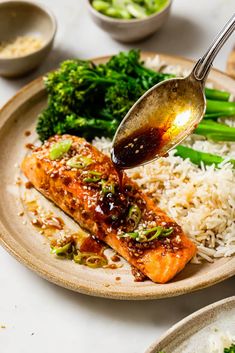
(43, 318)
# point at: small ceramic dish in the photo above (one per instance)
(24, 18)
(200, 331)
(128, 31)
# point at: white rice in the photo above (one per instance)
(201, 200)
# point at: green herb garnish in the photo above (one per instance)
(149, 234)
(90, 259)
(97, 177)
(58, 149)
(134, 216)
(70, 251)
(61, 250)
(79, 162)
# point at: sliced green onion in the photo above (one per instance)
(107, 187)
(90, 259)
(93, 172)
(142, 236)
(78, 258)
(91, 180)
(79, 162)
(59, 149)
(97, 177)
(134, 216)
(96, 261)
(60, 251)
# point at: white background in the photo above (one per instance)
(43, 318)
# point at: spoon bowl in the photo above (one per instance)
(159, 121)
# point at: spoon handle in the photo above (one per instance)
(203, 66)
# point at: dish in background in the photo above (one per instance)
(129, 9)
(29, 247)
(130, 30)
(209, 330)
(25, 19)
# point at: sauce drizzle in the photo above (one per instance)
(140, 147)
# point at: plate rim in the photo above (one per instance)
(190, 319)
(34, 264)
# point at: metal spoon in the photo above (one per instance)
(167, 113)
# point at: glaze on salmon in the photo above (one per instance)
(84, 183)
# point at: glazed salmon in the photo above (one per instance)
(83, 182)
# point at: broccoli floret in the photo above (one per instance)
(91, 100)
(47, 122)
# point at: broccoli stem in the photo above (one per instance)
(196, 157)
(217, 115)
(214, 106)
(215, 94)
(215, 131)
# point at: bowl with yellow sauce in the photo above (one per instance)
(27, 32)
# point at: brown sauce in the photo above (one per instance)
(28, 185)
(90, 244)
(139, 147)
(115, 258)
(120, 177)
(30, 146)
(138, 275)
(27, 133)
(113, 208)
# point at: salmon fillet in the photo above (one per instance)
(84, 183)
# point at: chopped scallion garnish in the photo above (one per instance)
(97, 177)
(149, 234)
(134, 216)
(58, 149)
(90, 259)
(79, 162)
(62, 250)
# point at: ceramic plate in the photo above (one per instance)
(196, 332)
(21, 239)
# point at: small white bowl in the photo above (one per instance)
(20, 18)
(133, 30)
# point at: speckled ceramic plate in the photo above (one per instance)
(196, 332)
(19, 237)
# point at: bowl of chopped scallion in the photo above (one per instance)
(129, 20)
